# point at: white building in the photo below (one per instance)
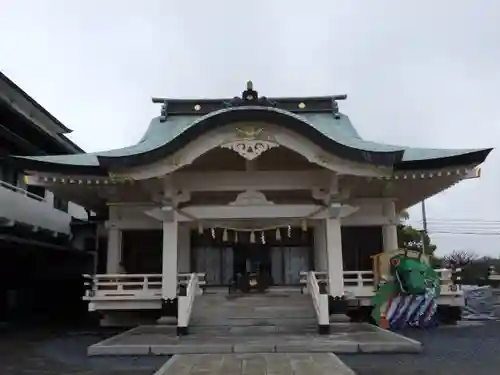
(247, 189)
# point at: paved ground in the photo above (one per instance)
(343, 338)
(473, 350)
(255, 364)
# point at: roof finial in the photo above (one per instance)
(249, 85)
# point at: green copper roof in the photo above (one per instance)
(161, 134)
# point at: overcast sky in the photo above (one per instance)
(418, 73)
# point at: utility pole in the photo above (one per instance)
(424, 231)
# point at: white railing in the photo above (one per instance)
(319, 300)
(359, 284)
(130, 286)
(185, 303)
(17, 189)
(123, 287)
(183, 278)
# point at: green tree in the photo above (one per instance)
(411, 239)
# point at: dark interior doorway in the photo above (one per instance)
(251, 258)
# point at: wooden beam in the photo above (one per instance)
(250, 212)
(253, 180)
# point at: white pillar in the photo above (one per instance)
(390, 231)
(184, 249)
(169, 260)
(114, 255)
(320, 247)
(334, 256)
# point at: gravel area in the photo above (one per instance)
(64, 352)
(471, 348)
(468, 349)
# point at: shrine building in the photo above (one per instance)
(272, 187)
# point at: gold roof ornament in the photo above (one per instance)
(249, 85)
(249, 132)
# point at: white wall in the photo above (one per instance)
(16, 205)
(371, 212)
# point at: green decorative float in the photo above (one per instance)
(407, 290)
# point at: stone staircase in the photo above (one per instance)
(271, 312)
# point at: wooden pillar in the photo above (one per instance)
(114, 255)
(169, 260)
(334, 258)
(337, 304)
(320, 247)
(390, 230)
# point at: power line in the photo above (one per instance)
(431, 233)
(435, 226)
(450, 220)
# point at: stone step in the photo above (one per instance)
(204, 307)
(241, 322)
(252, 330)
(269, 311)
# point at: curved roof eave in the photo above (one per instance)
(84, 164)
(384, 156)
(425, 158)
(335, 135)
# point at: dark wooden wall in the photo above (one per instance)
(142, 251)
(358, 245)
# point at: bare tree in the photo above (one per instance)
(459, 258)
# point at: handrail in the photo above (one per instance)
(19, 190)
(320, 301)
(185, 303)
(360, 283)
(130, 286)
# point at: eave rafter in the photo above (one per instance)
(463, 173)
(46, 179)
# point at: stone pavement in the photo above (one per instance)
(255, 364)
(465, 349)
(344, 338)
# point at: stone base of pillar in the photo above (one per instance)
(169, 307)
(324, 329)
(337, 305)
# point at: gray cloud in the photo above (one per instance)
(417, 73)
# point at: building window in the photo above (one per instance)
(37, 190)
(60, 204)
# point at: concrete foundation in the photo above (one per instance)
(344, 338)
